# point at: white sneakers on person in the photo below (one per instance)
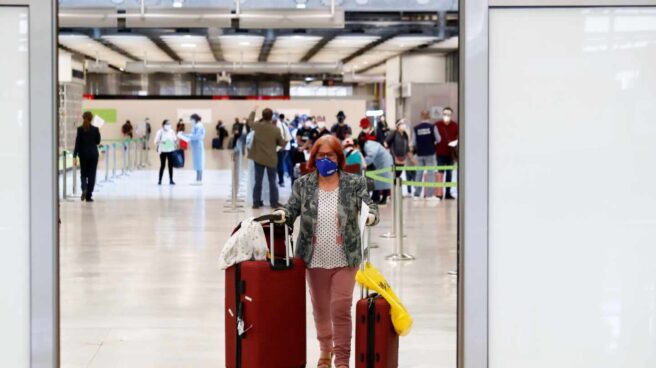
(434, 199)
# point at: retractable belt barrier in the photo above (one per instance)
(397, 201)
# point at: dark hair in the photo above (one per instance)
(267, 114)
(86, 120)
(281, 116)
(447, 109)
(164, 122)
(196, 117)
(334, 145)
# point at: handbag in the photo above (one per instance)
(177, 158)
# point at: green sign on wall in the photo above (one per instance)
(108, 115)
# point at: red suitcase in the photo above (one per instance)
(265, 310)
(376, 341)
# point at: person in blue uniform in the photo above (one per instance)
(197, 143)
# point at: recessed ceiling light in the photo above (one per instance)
(244, 43)
(188, 45)
(178, 3)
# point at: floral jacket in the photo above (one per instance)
(304, 202)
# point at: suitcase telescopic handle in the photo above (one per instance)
(272, 218)
(365, 244)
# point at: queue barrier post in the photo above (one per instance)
(233, 207)
(127, 163)
(136, 154)
(74, 177)
(64, 173)
(399, 253)
(113, 160)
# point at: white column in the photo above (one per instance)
(14, 189)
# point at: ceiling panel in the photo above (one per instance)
(190, 47)
(342, 46)
(292, 48)
(138, 46)
(387, 49)
(94, 49)
(244, 48)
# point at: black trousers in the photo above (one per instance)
(163, 157)
(446, 161)
(88, 167)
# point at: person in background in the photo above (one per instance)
(180, 127)
(283, 152)
(340, 129)
(143, 131)
(329, 202)
(398, 142)
(382, 130)
(221, 132)
(239, 132)
(368, 131)
(306, 136)
(197, 142)
(378, 158)
(127, 130)
(263, 153)
(353, 154)
(321, 126)
(86, 150)
(447, 128)
(424, 141)
(165, 140)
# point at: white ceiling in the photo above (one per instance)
(238, 48)
(94, 49)
(139, 46)
(387, 49)
(190, 47)
(292, 48)
(342, 46)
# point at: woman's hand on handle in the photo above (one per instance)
(281, 216)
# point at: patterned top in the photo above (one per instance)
(328, 245)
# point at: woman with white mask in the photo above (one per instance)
(165, 141)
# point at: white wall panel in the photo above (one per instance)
(14, 190)
(572, 196)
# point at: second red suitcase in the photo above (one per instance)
(265, 312)
(376, 341)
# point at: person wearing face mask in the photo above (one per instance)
(424, 141)
(341, 130)
(197, 140)
(328, 202)
(165, 140)
(321, 127)
(447, 128)
(353, 155)
(398, 142)
(382, 130)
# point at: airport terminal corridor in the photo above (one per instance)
(141, 287)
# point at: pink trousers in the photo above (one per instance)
(331, 291)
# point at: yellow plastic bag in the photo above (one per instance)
(373, 280)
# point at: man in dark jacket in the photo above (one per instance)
(263, 152)
(448, 131)
(86, 149)
(424, 141)
(340, 129)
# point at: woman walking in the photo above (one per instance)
(328, 202)
(165, 140)
(86, 150)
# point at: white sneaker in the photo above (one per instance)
(434, 199)
(417, 198)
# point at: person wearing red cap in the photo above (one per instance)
(368, 131)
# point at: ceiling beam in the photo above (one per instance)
(163, 46)
(117, 49)
(319, 45)
(267, 45)
(412, 50)
(84, 56)
(213, 39)
(365, 49)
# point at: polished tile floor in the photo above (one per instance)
(140, 285)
